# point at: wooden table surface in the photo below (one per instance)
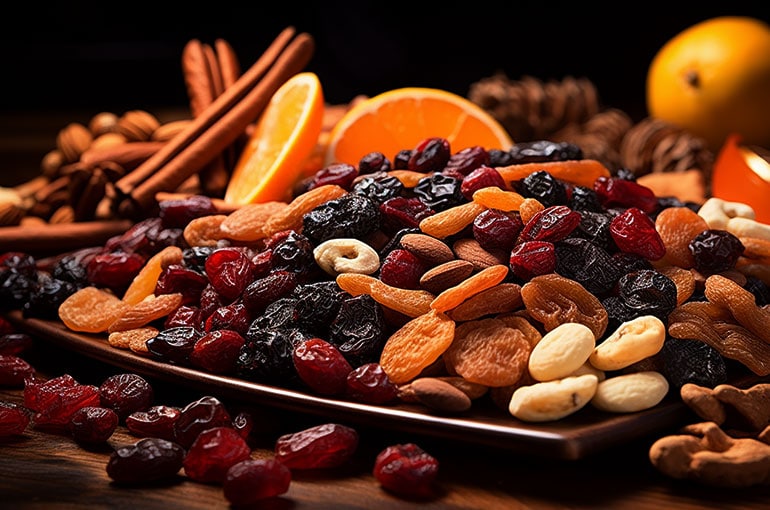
(43, 470)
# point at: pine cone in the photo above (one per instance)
(653, 145)
(530, 109)
(599, 137)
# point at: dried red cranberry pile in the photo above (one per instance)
(202, 439)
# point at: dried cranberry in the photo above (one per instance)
(430, 155)
(322, 446)
(178, 213)
(467, 160)
(263, 291)
(406, 470)
(157, 421)
(234, 316)
(148, 460)
(321, 366)
(114, 270)
(615, 192)
(401, 268)
(252, 480)
(190, 316)
(217, 351)
(715, 250)
(14, 419)
(93, 424)
(634, 232)
(205, 413)
(370, 384)
(211, 300)
(126, 393)
(65, 404)
(177, 278)
(213, 452)
(552, 224)
(39, 394)
(497, 230)
(14, 370)
(482, 177)
(339, 174)
(532, 258)
(229, 270)
(403, 212)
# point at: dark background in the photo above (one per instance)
(108, 55)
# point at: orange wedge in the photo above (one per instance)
(401, 118)
(283, 138)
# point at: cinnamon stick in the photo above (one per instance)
(210, 115)
(55, 238)
(221, 133)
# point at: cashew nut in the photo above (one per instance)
(561, 351)
(346, 255)
(633, 341)
(552, 400)
(717, 212)
(630, 393)
(745, 227)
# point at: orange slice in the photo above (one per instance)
(401, 118)
(283, 138)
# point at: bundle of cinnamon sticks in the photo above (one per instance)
(224, 103)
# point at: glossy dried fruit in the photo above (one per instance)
(148, 460)
(368, 383)
(634, 232)
(213, 452)
(487, 352)
(416, 345)
(93, 424)
(14, 370)
(157, 421)
(14, 419)
(321, 366)
(126, 393)
(410, 302)
(553, 300)
(502, 298)
(204, 413)
(481, 281)
(91, 310)
(217, 351)
(252, 480)
(406, 470)
(290, 217)
(677, 227)
(324, 446)
(145, 281)
(451, 221)
(146, 311)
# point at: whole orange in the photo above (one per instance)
(713, 79)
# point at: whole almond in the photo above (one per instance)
(440, 395)
(470, 250)
(137, 125)
(427, 248)
(72, 140)
(443, 276)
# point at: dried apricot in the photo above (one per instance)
(124, 339)
(247, 223)
(205, 230)
(145, 281)
(411, 303)
(487, 352)
(408, 178)
(290, 217)
(684, 280)
(451, 221)
(142, 313)
(677, 226)
(483, 280)
(529, 208)
(91, 310)
(502, 298)
(582, 172)
(416, 345)
(493, 197)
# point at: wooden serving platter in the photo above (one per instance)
(586, 432)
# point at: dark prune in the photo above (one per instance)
(358, 330)
(281, 313)
(379, 187)
(538, 151)
(497, 230)
(267, 355)
(499, 157)
(174, 345)
(757, 287)
(195, 258)
(72, 267)
(317, 304)
(401, 159)
(715, 250)
(157, 421)
(595, 227)
(176, 278)
(648, 292)
(584, 199)
(544, 187)
(294, 252)
(406, 469)
(351, 215)
(148, 460)
(692, 361)
(439, 192)
(44, 300)
(588, 264)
